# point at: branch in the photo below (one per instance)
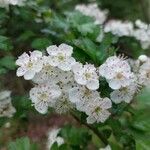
(98, 133)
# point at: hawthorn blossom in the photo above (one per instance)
(44, 95)
(117, 72)
(61, 56)
(86, 75)
(53, 137)
(125, 94)
(119, 28)
(81, 95)
(144, 73)
(142, 33)
(97, 110)
(6, 107)
(29, 65)
(92, 10)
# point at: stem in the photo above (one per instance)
(98, 133)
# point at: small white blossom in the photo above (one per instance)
(6, 108)
(81, 95)
(92, 10)
(53, 137)
(144, 73)
(119, 28)
(117, 72)
(29, 65)
(44, 95)
(86, 75)
(97, 110)
(142, 33)
(125, 94)
(61, 56)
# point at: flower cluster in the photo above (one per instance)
(64, 84)
(6, 108)
(93, 11)
(119, 28)
(139, 30)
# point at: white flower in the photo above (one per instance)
(119, 28)
(6, 108)
(125, 94)
(44, 95)
(86, 75)
(117, 72)
(142, 33)
(92, 10)
(97, 110)
(47, 74)
(81, 96)
(29, 65)
(61, 56)
(53, 137)
(144, 73)
(106, 148)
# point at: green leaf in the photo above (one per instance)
(22, 144)
(5, 43)
(8, 62)
(40, 43)
(74, 136)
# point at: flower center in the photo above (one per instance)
(87, 92)
(61, 57)
(88, 75)
(119, 76)
(30, 64)
(43, 97)
(97, 110)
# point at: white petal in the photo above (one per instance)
(67, 49)
(67, 65)
(106, 103)
(116, 96)
(92, 84)
(77, 68)
(23, 59)
(41, 107)
(36, 54)
(53, 61)
(29, 75)
(80, 79)
(52, 50)
(90, 119)
(74, 95)
(20, 71)
(114, 84)
(103, 116)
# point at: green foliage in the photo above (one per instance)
(22, 144)
(75, 138)
(5, 43)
